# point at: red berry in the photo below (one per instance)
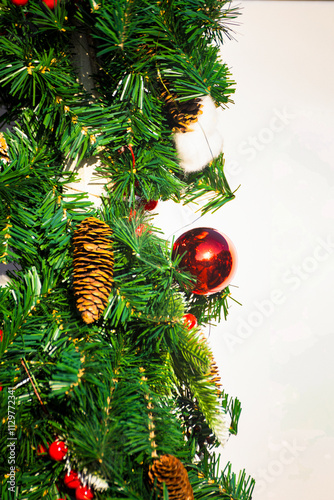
(140, 229)
(72, 480)
(50, 3)
(150, 205)
(57, 450)
(83, 493)
(189, 320)
(19, 2)
(132, 214)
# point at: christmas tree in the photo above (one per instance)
(109, 387)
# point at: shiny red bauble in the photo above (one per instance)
(189, 320)
(72, 480)
(50, 3)
(19, 2)
(208, 255)
(83, 493)
(150, 205)
(57, 450)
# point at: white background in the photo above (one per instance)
(275, 351)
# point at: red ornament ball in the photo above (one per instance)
(150, 205)
(72, 480)
(83, 493)
(19, 2)
(208, 255)
(189, 320)
(57, 450)
(50, 3)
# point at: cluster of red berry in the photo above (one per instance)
(148, 206)
(189, 320)
(58, 451)
(49, 3)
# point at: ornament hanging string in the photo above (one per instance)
(81, 191)
(133, 156)
(183, 227)
(206, 138)
(121, 150)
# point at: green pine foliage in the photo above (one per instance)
(135, 384)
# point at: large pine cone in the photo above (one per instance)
(182, 114)
(93, 268)
(168, 469)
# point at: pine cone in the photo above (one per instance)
(93, 268)
(182, 114)
(168, 469)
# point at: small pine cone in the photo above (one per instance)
(93, 268)
(182, 114)
(169, 470)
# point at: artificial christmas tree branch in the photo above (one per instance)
(32, 383)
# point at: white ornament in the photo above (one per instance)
(203, 142)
